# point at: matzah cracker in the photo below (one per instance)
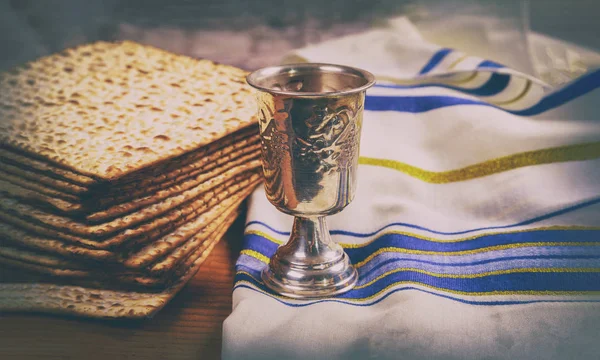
(65, 180)
(43, 238)
(148, 254)
(134, 107)
(70, 271)
(177, 166)
(161, 181)
(182, 253)
(98, 277)
(94, 303)
(31, 183)
(69, 208)
(165, 279)
(50, 264)
(141, 234)
(46, 233)
(50, 78)
(208, 220)
(107, 229)
(189, 212)
(28, 256)
(154, 283)
(198, 176)
(48, 244)
(23, 193)
(236, 166)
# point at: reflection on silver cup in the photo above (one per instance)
(310, 119)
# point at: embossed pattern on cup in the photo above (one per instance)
(310, 151)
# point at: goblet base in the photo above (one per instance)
(310, 264)
(337, 278)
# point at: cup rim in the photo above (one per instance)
(253, 78)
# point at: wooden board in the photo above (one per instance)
(189, 327)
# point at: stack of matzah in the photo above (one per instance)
(121, 166)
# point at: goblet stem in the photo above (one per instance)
(311, 243)
(310, 264)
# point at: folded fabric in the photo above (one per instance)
(476, 224)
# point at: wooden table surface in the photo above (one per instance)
(189, 327)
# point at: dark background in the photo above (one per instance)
(244, 33)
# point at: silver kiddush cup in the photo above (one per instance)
(310, 120)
